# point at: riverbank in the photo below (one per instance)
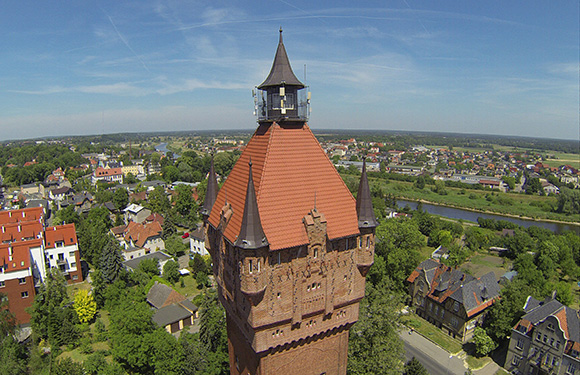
(489, 212)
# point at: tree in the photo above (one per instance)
(374, 345)
(85, 306)
(564, 293)
(398, 242)
(506, 312)
(202, 280)
(414, 367)
(150, 266)
(569, 201)
(184, 203)
(111, 261)
(67, 215)
(158, 201)
(212, 333)
(198, 264)
(483, 343)
(171, 271)
(67, 367)
(92, 234)
(420, 182)
(120, 198)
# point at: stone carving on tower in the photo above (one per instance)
(290, 244)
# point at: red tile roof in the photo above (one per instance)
(21, 215)
(16, 257)
(100, 172)
(290, 171)
(63, 233)
(140, 233)
(20, 231)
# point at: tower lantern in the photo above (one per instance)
(281, 97)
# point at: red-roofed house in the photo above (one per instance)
(108, 175)
(62, 251)
(143, 236)
(27, 251)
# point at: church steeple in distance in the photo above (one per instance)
(281, 97)
(211, 191)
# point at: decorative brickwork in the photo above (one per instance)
(290, 249)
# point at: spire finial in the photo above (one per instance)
(280, 33)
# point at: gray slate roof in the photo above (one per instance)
(170, 314)
(134, 263)
(537, 311)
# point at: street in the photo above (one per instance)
(436, 360)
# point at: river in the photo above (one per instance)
(457, 213)
(162, 147)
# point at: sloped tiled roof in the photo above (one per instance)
(21, 215)
(20, 231)
(63, 233)
(140, 233)
(16, 256)
(290, 171)
(568, 320)
(161, 295)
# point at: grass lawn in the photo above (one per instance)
(481, 264)
(77, 356)
(433, 333)
(190, 288)
(477, 363)
(72, 289)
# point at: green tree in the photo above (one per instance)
(202, 280)
(564, 293)
(506, 312)
(171, 271)
(111, 261)
(67, 215)
(92, 234)
(212, 333)
(398, 242)
(414, 367)
(120, 198)
(85, 306)
(12, 354)
(569, 201)
(66, 366)
(198, 264)
(374, 345)
(483, 343)
(420, 182)
(158, 201)
(150, 266)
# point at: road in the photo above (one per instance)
(436, 360)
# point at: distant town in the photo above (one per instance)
(98, 229)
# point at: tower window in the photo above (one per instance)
(315, 252)
(368, 241)
(360, 241)
(250, 266)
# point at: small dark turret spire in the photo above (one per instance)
(211, 192)
(251, 234)
(364, 202)
(281, 72)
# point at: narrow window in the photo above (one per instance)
(316, 253)
(258, 265)
(278, 257)
(2, 285)
(22, 280)
(250, 266)
(24, 294)
(368, 241)
(360, 241)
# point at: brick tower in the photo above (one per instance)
(290, 244)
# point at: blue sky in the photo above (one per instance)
(92, 67)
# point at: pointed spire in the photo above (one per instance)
(251, 233)
(364, 202)
(211, 191)
(281, 72)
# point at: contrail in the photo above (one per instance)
(418, 19)
(127, 44)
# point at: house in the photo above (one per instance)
(136, 213)
(28, 250)
(546, 340)
(62, 251)
(173, 311)
(197, 242)
(61, 193)
(133, 264)
(450, 299)
(107, 175)
(143, 236)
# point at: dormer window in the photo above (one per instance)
(550, 327)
